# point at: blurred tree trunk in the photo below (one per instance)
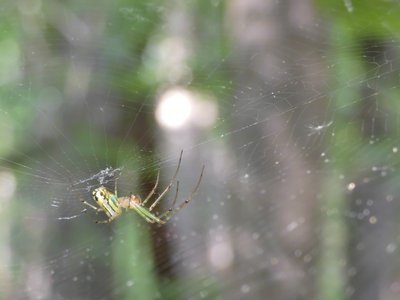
(275, 44)
(189, 251)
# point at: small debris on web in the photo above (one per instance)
(317, 129)
(102, 176)
(56, 203)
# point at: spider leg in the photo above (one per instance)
(103, 222)
(173, 202)
(116, 187)
(161, 222)
(172, 211)
(92, 206)
(176, 194)
(107, 221)
(169, 185)
(153, 190)
(155, 220)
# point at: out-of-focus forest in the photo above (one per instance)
(292, 106)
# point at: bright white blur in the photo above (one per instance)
(178, 108)
(174, 108)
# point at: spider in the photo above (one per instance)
(112, 205)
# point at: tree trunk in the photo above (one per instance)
(277, 157)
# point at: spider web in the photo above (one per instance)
(298, 136)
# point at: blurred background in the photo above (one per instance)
(292, 106)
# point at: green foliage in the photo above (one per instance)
(130, 26)
(364, 18)
(133, 267)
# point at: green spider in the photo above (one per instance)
(112, 205)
